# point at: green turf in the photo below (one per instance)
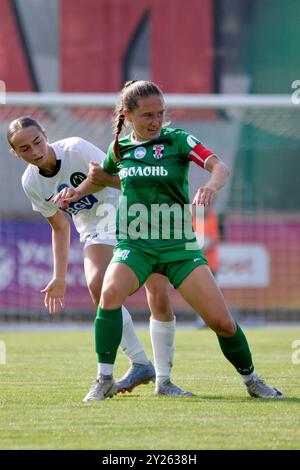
(48, 373)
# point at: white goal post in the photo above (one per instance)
(186, 101)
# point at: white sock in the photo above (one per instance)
(162, 338)
(248, 377)
(105, 369)
(130, 343)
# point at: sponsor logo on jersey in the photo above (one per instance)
(139, 153)
(158, 151)
(77, 178)
(143, 171)
(85, 203)
(48, 199)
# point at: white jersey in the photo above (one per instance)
(93, 215)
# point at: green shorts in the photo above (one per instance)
(173, 261)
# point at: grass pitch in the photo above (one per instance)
(47, 374)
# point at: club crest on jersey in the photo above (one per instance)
(140, 152)
(158, 151)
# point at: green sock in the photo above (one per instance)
(108, 334)
(236, 349)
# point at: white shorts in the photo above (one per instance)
(99, 239)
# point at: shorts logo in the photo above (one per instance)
(77, 178)
(139, 153)
(123, 254)
(158, 151)
(196, 259)
(91, 237)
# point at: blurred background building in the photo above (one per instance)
(198, 47)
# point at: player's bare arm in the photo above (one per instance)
(97, 179)
(98, 176)
(55, 289)
(219, 173)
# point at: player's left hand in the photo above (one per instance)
(205, 196)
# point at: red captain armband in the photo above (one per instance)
(199, 154)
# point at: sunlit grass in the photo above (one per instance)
(48, 373)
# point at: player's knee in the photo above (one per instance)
(224, 326)
(161, 308)
(95, 297)
(95, 286)
(110, 297)
(160, 301)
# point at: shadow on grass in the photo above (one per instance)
(201, 398)
(247, 399)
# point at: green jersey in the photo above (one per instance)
(154, 207)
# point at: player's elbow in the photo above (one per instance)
(225, 169)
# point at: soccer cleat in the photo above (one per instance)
(258, 388)
(138, 374)
(104, 387)
(169, 389)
